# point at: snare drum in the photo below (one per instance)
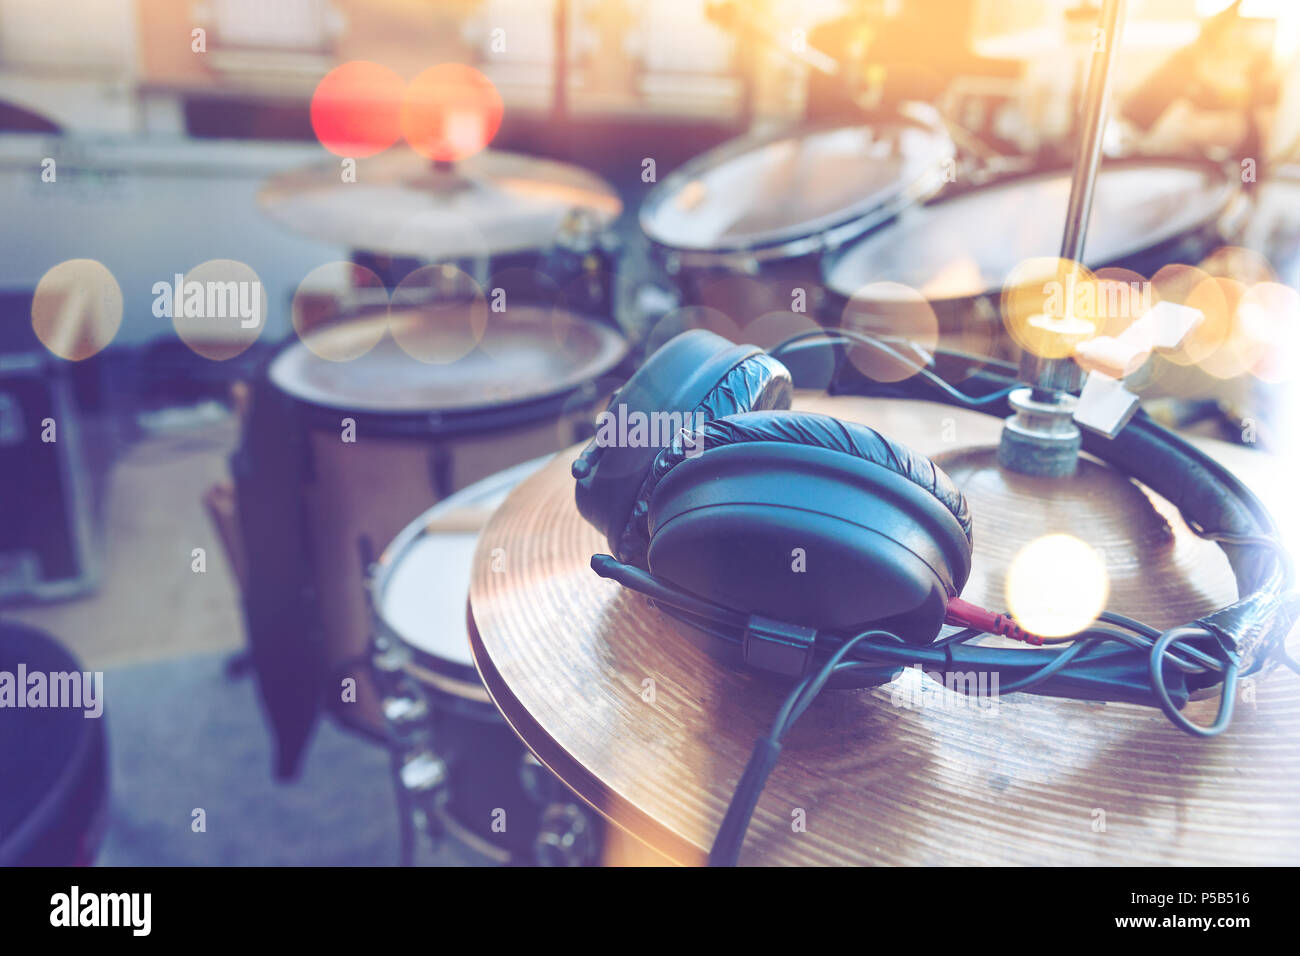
(355, 448)
(474, 780)
(741, 227)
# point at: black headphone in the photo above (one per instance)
(711, 525)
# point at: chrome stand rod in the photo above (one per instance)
(1048, 376)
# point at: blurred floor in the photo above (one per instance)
(150, 603)
(183, 736)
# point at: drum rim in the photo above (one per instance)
(808, 237)
(379, 577)
(1224, 193)
(614, 349)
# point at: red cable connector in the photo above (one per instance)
(964, 614)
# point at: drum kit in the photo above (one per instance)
(363, 485)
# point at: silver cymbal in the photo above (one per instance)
(401, 204)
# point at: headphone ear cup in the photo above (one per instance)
(693, 378)
(804, 532)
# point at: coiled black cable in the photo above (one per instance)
(870, 647)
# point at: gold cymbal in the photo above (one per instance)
(402, 204)
(617, 699)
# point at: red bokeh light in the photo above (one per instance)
(357, 109)
(451, 112)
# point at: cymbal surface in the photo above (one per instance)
(402, 205)
(628, 710)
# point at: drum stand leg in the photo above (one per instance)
(420, 778)
(405, 812)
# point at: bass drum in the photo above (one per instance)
(488, 792)
(956, 253)
(741, 228)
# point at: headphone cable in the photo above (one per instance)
(1162, 648)
(767, 750)
(824, 338)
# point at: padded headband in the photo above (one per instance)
(821, 431)
(696, 374)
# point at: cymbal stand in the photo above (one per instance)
(1041, 438)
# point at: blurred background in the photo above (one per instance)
(142, 138)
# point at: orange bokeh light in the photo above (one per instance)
(451, 112)
(357, 109)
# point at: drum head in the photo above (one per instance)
(758, 192)
(966, 246)
(535, 354)
(425, 600)
(421, 585)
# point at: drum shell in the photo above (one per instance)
(743, 288)
(584, 284)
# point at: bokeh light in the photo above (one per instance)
(1056, 585)
(221, 309)
(438, 314)
(1268, 331)
(1235, 262)
(1182, 284)
(1050, 305)
(896, 311)
(356, 109)
(327, 297)
(1123, 297)
(450, 112)
(77, 309)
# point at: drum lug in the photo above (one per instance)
(424, 773)
(389, 659)
(425, 780)
(405, 715)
